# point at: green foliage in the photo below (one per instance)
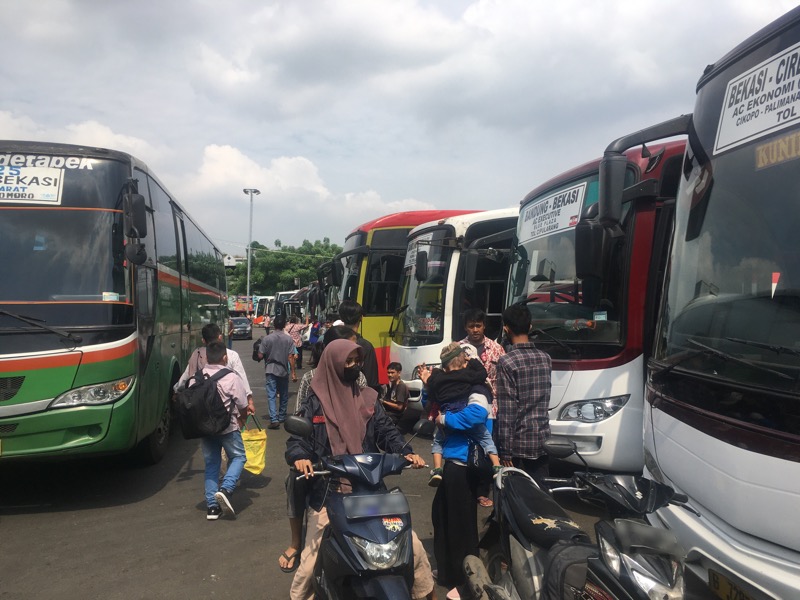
(274, 270)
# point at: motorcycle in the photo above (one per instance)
(366, 550)
(534, 551)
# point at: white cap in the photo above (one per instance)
(338, 322)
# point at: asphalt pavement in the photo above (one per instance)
(107, 528)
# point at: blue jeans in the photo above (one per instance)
(277, 386)
(234, 448)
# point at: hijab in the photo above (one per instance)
(347, 408)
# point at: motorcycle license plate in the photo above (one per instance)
(724, 588)
(378, 505)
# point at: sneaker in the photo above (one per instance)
(223, 496)
(274, 425)
(436, 477)
(214, 513)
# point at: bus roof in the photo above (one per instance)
(463, 221)
(634, 155)
(410, 218)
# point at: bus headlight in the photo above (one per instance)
(592, 411)
(91, 395)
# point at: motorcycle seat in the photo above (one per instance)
(539, 517)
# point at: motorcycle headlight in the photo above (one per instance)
(91, 395)
(380, 556)
(659, 591)
(593, 411)
(610, 556)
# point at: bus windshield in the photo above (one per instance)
(61, 255)
(419, 319)
(351, 267)
(732, 310)
(543, 271)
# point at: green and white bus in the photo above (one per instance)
(107, 283)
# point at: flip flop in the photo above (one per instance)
(485, 502)
(292, 558)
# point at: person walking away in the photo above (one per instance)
(489, 352)
(295, 329)
(347, 420)
(275, 350)
(211, 333)
(232, 391)
(394, 395)
(523, 398)
(351, 313)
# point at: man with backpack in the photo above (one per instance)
(234, 396)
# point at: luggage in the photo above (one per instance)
(255, 446)
(201, 410)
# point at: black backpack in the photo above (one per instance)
(256, 346)
(201, 411)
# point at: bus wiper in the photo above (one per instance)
(76, 339)
(570, 349)
(725, 356)
(776, 349)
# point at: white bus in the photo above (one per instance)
(452, 264)
(722, 411)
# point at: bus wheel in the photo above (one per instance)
(154, 447)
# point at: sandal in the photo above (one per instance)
(292, 558)
(485, 502)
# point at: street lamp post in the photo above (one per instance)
(250, 191)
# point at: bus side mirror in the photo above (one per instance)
(470, 269)
(592, 244)
(135, 215)
(337, 273)
(612, 169)
(135, 253)
(421, 269)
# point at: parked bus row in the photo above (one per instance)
(660, 279)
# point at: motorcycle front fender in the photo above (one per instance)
(382, 587)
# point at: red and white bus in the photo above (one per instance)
(594, 313)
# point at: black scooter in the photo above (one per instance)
(534, 551)
(366, 550)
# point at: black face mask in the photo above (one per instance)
(351, 373)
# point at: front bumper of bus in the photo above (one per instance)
(730, 562)
(101, 429)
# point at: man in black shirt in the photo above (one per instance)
(350, 312)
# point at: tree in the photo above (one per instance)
(274, 270)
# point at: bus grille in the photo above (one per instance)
(10, 428)
(9, 386)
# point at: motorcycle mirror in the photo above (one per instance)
(560, 447)
(424, 427)
(299, 426)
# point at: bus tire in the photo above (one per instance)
(154, 447)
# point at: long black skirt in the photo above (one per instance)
(455, 522)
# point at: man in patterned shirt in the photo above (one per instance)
(523, 397)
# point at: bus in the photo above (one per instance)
(264, 308)
(368, 271)
(596, 318)
(450, 265)
(107, 282)
(722, 416)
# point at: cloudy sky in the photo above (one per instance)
(340, 111)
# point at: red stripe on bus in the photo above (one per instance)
(71, 359)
